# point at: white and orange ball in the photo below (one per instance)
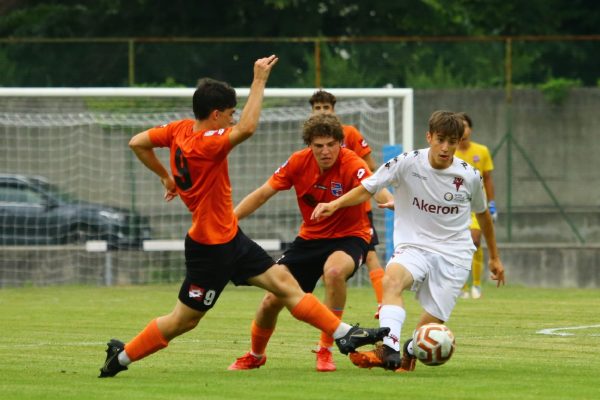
(433, 344)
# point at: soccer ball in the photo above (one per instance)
(433, 344)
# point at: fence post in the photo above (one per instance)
(131, 61)
(317, 63)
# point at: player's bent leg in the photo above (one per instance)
(181, 320)
(376, 273)
(154, 337)
(338, 268)
(268, 311)
(307, 308)
(279, 281)
(392, 314)
(260, 336)
(261, 330)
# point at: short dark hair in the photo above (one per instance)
(446, 124)
(212, 95)
(321, 96)
(322, 125)
(464, 116)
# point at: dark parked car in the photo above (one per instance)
(35, 212)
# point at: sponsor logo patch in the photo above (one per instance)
(434, 208)
(196, 292)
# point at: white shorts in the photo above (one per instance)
(437, 282)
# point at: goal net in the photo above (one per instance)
(76, 206)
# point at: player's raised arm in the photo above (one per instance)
(254, 200)
(356, 196)
(251, 112)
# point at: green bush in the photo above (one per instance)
(556, 90)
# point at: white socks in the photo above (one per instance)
(124, 358)
(393, 318)
(341, 330)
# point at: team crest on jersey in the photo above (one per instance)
(336, 189)
(458, 182)
(196, 292)
(475, 158)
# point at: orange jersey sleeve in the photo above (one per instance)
(302, 173)
(354, 141)
(198, 161)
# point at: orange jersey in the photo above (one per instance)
(199, 165)
(302, 172)
(354, 141)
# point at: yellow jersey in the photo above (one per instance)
(478, 156)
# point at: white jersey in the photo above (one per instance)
(432, 206)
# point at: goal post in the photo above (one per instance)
(405, 95)
(75, 140)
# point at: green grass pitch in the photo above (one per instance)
(52, 343)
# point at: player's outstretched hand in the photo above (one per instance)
(170, 189)
(389, 205)
(322, 210)
(263, 66)
(497, 271)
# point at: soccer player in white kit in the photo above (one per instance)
(434, 193)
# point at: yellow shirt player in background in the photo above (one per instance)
(478, 156)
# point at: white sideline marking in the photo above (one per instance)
(555, 331)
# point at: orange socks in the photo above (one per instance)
(146, 342)
(327, 340)
(310, 310)
(376, 276)
(260, 338)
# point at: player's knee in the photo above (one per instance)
(191, 323)
(176, 324)
(392, 283)
(280, 282)
(271, 303)
(335, 276)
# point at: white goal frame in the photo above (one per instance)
(404, 94)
